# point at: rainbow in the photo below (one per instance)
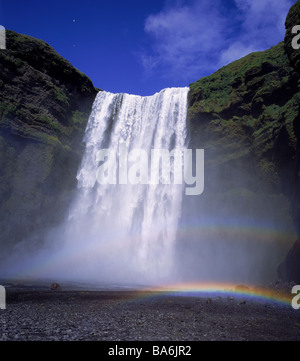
(263, 294)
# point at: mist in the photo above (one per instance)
(154, 235)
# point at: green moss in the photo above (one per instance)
(48, 139)
(60, 95)
(78, 118)
(232, 83)
(7, 108)
(12, 61)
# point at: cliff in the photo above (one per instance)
(246, 116)
(44, 107)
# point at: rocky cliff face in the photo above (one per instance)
(290, 268)
(248, 109)
(44, 106)
(246, 117)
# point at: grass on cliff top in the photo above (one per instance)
(250, 105)
(215, 92)
(28, 116)
(21, 43)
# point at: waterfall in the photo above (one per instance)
(126, 232)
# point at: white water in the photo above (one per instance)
(126, 233)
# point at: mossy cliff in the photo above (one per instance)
(247, 118)
(44, 107)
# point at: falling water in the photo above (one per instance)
(126, 232)
(149, 233)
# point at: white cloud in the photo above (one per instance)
(262, 26)
(195, 37)
(263, 20)
(235, 51)
(183, 36)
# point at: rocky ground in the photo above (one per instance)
(39, 314)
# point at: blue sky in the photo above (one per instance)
(143, 46)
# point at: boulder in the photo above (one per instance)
(55, 287)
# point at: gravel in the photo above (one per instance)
(44, 315)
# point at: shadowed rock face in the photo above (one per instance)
(290, 269)
(246, 117)
(246, 111)
(44, 106)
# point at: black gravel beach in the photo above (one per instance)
(40, 314)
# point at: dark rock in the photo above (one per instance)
(55, 287)
(289, 270)
(246, 124)
(247, 118)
